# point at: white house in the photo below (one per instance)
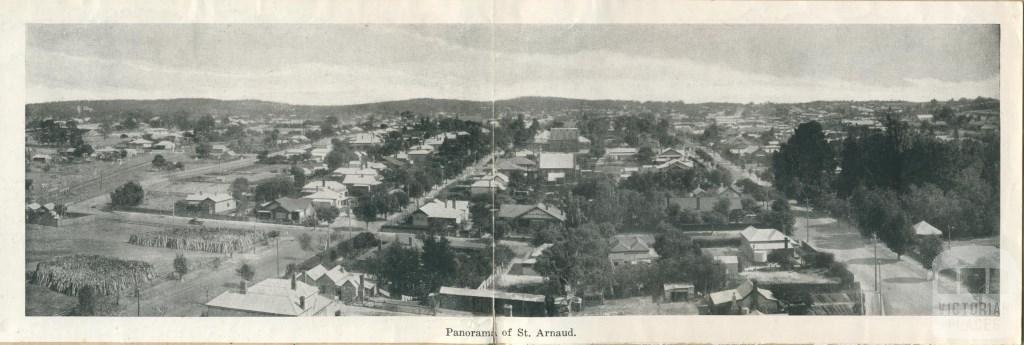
(756, 243)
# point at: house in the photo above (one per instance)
(525, 217)
(140, 144)
(745, 299)
(41, 158)
(339, 284)
(486, 186)
(677, 163)
(164, 145)
(327, 198)
(42, 214)
(210, 203)
(420, 154)
(631, 250)
(343, 172)
(669, 154)
(220, 150)
(319, 154)
(270, 297)
(315, 186)
(362, 182)
(516, 164)
(557, 166)
(756, 244)
(287, 209)
(442, 214)
(677, 292)
(619, 154)
(705, 201)
(362, 141)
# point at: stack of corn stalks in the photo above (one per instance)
(107, 275)
(213, 240)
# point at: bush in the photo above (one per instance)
(306, 241)
(130, 194)
(180, 265)
(365, 240)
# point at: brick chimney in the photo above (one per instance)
(302, 302)
(241, 286)
(293, 281)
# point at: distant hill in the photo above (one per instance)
(461, 108)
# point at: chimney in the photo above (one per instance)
(293, 281)
(302, 302)
(241, 286)
(754, 294)
(360, 292)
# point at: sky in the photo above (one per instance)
(354, 63)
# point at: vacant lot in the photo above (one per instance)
(102, 237)
(639, 306)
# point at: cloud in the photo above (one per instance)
(450, 63)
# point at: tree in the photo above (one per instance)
(180, 265)
(645, 155)
(306, 241)
(929, 249)
(438, 262)
(365, 240)
(400, 271)
(87, 300)
(129, 194)
(239, 187)
(674, 244)
(273, 189)
(804, 165)
(366, 210)
(203, 150)
(781, 257)
(578, 260)
(159, 161)
(780, 217)
(327, 214)
(245, 271)
(298, 176)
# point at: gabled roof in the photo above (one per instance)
(216, 197)
(273, 296)
(322, 185)
(489, 183)
(753, 234)
(361, 180)
(292, 205)
(739, 293)
(325, 194)
(515, 211)
(452, 209)
(316, 272)
(621, 151)
(675, 162)
(630, 244)
(557, 161)
(924, 229)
